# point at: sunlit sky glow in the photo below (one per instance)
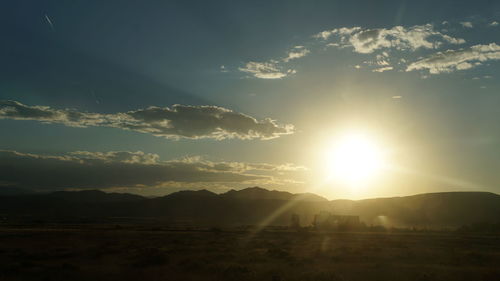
(354, 159)
(348, 99)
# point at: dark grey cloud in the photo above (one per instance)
(178, 121)
(18, 111)
(118, 169)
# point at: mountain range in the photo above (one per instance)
(252, 206)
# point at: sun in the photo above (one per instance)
(354, 159)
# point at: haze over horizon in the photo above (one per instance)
(392, 99)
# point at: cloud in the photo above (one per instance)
(337, 31)
(381, 41)
(401, 38)
(296, 52)
(138, 157)
(265, 70)
(382, 69)
(382, 59)
(274, 69)
(18, 111)
(123, 169)
(453, 60)
(494, 23)
(178, 121)
(467, 24)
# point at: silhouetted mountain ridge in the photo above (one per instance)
(258, 193)
(93, 196)
(254, 205)
(188, 193)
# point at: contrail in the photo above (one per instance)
(49, 21)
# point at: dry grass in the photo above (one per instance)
(138, 254)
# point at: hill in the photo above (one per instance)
(448, 209)
(252, 206)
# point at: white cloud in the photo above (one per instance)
(296, 52)
(452, 60)
(333, 45)
(382, 69)
(337, 31)
(494, 23)
(266, 70)
(178, 121)
(381, 60)
(274, 69)
(381, 41)
(467, 24)
(398, 37)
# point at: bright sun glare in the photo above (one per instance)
(354, 160)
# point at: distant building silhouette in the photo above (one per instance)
(295, 221)
(326, 221)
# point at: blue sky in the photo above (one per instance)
(263, 88)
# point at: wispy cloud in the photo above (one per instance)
(275, 68)
(452, 60)
(467, 24)
(296, 52)
(382, 69)
(265, 70)
(326, 34)
(178, 121)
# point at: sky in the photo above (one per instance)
(152, 97)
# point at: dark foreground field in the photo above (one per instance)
(84, 253)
